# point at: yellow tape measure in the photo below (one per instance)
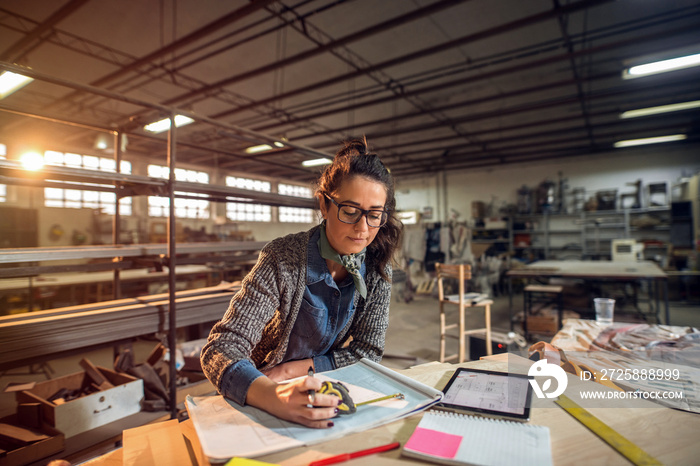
(631, 451)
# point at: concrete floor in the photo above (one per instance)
(412, 338)
(414, 332)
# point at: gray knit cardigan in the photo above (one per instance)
(260, 317)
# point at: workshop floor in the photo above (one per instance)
(413, 338)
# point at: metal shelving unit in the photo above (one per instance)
(591, 233)
(123, 185)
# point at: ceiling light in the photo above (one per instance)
(656, 140)
(660, 109)
(102, 141)
(32, 161)
(316, 162)
(11, 82)
(262, 148)
(662, 66)
(164, 124)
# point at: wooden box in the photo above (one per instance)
(90, 411)
(35, 451)
(545, 323)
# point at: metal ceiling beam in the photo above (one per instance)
(362, 34)
(165, 110)
(507, 27)
(535, 154)
(14, 52)
(208, 29)
(562, 20)
(521, 108)
(557, 137)
(569, 56)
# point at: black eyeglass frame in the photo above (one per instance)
(363, 213)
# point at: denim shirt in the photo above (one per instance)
(325, 310)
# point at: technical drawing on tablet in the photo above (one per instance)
(489, 393)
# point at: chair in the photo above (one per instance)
(460, 272)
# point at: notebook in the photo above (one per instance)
(452, 438)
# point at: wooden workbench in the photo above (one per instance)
(667, 434)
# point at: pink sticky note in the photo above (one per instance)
(434, 443)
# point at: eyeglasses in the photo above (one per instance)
(351, 214)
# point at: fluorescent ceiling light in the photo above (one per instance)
(262, 148)
(11, 82)
(656, 140)
(662, 66)
(660, 109)
(316, 162)
(164, 124)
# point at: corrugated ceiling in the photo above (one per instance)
(434, 85)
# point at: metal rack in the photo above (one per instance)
(124, 185)
(591, 230)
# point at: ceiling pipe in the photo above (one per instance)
(516, 109)
(363, 34)
(523, 22)
(480, 77)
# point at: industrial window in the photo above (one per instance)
(295, 214)
(184, 207)
(81, 198)
(248, 211)
(3, 187)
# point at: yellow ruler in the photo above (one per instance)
(631, 451)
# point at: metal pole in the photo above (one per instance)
(116, 221)
(172, 331)
(510, 302)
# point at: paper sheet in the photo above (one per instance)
(226, 429)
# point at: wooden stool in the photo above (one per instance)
(544, 294)
(460, 272)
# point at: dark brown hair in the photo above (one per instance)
(355, 159)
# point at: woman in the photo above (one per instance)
(315, 300)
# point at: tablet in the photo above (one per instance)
(488, 393)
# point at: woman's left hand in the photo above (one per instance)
(289, 370)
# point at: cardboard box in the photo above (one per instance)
(87, 412)
(198, 385)
(35, 451)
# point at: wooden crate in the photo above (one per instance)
(90, 411)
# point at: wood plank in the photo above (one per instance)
(94, 373)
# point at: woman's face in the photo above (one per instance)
(359, 192)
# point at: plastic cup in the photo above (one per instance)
(604, 310)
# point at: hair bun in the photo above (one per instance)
(355, 146)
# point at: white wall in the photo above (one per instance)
(594, 173)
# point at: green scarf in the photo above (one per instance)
(351, 262)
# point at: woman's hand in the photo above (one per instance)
(289, 370)
(292, 401)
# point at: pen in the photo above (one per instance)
(311, 393)
(356, 454)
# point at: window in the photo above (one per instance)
(248, 211)
(80, 198)
(3, 187)
(295, 214)
(184, 208)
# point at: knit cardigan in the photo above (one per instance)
(260, 317)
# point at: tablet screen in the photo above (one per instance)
(490, 393)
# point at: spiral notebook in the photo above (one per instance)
(452, 438)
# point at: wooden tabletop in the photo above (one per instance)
(668, 435)
(618, 270)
